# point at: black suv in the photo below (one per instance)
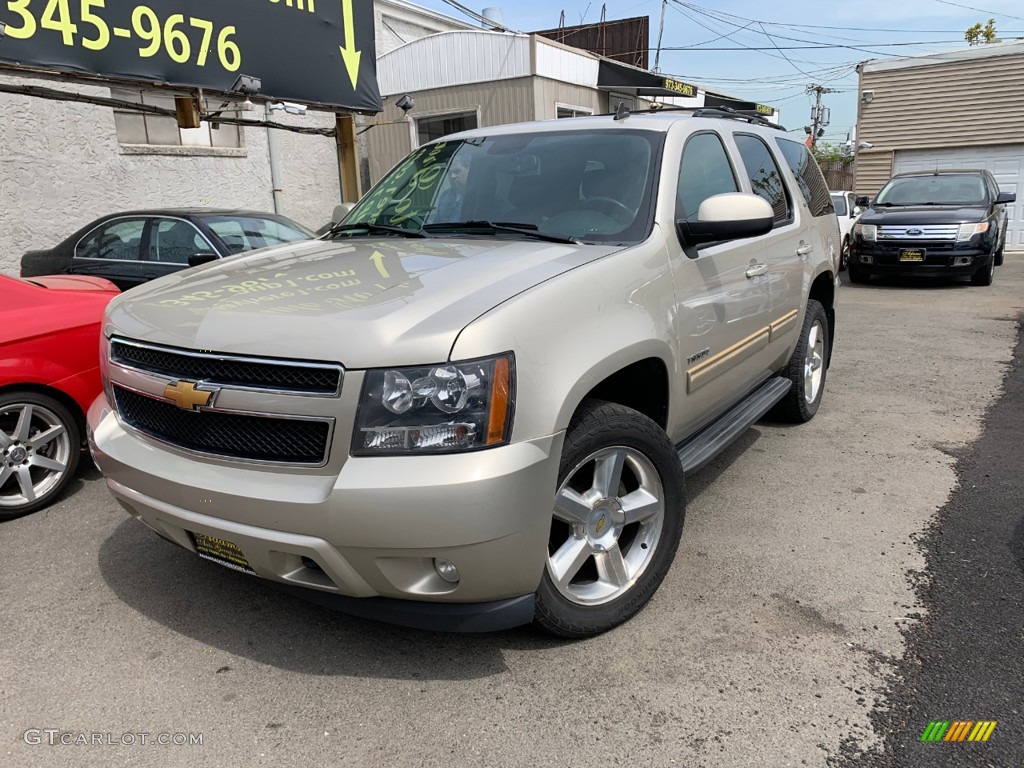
(949, 222)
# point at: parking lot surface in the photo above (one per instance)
(777, 632)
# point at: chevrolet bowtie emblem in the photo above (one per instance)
(185, 395)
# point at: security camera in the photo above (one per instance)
(865, 145)
(289, 107)
(867, 96)
(406, 103)
(247, 85)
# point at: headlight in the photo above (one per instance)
(868, 232)
(967, 231)
(436, 409)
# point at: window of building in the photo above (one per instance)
(137, 128)
(765, 177)
(564, 110)
(704, 171)
(431, 128)
(808, 176)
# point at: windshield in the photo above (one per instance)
(247, 233)
(948, 189)
(594, 186)
(839, 201)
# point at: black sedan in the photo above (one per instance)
(133, 247)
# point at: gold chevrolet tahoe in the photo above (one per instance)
(472, 404)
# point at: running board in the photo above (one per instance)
(716, 437)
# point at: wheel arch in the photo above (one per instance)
(823, 290)
(60, 396)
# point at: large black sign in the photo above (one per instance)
(309, 51)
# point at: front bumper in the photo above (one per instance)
(365, 539)
(940, 259)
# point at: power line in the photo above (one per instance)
(979, 10)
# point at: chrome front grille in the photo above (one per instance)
(245, 436)
(919, 232)
(263, 374)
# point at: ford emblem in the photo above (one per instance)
(915, 232)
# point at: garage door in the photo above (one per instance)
(1005, 162)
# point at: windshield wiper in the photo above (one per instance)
(529, 230)
(376, 228)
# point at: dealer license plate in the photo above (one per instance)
(221, 551)
(911, 254)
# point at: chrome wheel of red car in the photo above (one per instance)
(40, 445)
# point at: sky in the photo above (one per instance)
(779, 72)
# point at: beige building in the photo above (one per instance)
(960, 109)
(468, 79)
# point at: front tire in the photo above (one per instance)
(856, 275)
(844, 254)
(807, 368)
(986, 274)
(40, 445)
(617, 518)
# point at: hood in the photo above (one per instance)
(363, 303)
(923, 214)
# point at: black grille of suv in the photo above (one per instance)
(231, 435)
(283, 375)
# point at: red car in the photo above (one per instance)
(49, 376)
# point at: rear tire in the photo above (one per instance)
(806, 369)
(617, 518)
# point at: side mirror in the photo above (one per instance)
(341, 211)
(856, 212)
(863, 202)
(731, 216)
(201, 258)
(1006, 197)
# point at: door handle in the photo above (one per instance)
(803, 250)
(757, 269)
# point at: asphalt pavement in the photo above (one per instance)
(824, 606)
(965, 660)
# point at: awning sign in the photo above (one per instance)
(318, 52)
(683, 89)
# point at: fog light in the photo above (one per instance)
(446, 570)
(962, 261)
(866, 258)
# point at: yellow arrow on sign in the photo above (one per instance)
(349, 53)
(378, 261)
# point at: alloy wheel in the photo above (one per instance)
(35, 453)
(608, 519)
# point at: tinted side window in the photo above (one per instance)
(119, 240)
(172, 241)
(704, 171)
(808, 176)
(765, 177)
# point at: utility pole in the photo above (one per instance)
(661, 31)
(820, 116)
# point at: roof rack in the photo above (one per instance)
(727, 113)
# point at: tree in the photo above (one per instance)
(824, 152)
(978, 34)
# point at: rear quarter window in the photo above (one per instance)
(808, 176)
